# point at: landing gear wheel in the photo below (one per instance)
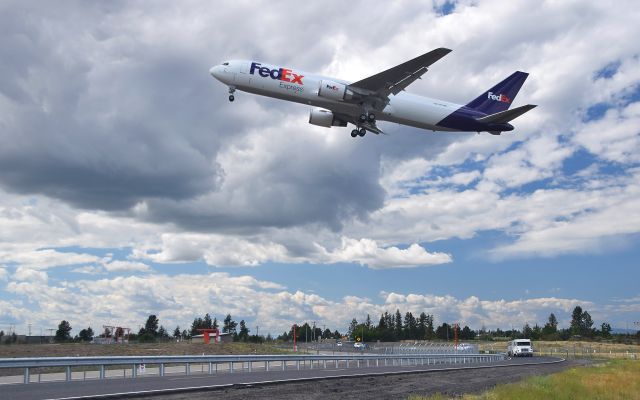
(354, 133)
(362, 132)
(372, 117)
(231, 98)
(363, 117)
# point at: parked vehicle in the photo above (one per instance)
(520, 348)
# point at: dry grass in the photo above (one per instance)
(619, 379)
(133, 349)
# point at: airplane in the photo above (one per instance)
(380, 97)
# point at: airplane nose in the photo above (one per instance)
(214, 72)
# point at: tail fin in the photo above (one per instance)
(499, 97)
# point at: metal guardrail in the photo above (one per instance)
(285, 361)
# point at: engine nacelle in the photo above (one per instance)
(334, 91)
(324, 118)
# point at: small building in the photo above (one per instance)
(223, 337)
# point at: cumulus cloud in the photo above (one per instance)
(177, 299)
(47, 258)
(30, 275)
(368, 252)
(121, 266)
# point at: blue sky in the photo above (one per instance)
(131, 186)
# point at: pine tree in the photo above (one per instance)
(353, 326)
(585, 324)
(229, 325)
(176, 332)
(430, 331)
(551, 327)
(576, 321)
(605, 330)
(422, 326)
(151, 326)
(206, 322)
(398, 325)
(197, 323)
(243, 335)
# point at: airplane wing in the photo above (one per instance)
(396, 79)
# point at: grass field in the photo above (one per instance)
(618, 379)
(133, 349)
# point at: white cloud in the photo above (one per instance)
(177, 299)
(3, 272)
(368, 252)
(615, 137)
(43, 259)
(121, 266)
(90, 270)
(30, 275)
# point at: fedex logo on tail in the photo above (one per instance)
(281, 74)
(499, 97)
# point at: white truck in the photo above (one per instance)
(520, 348)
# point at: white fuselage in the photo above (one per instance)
(301, 87)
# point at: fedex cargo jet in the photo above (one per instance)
(380, 97)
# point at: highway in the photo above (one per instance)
(196, 382)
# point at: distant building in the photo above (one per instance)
(224, 338)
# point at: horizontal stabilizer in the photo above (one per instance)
(507, 115)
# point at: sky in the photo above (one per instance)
(130, 186)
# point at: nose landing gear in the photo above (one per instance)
(231, 90)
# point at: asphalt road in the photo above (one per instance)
(254, 384)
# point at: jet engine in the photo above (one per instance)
(324, 118)
(334, 91)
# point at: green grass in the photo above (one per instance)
(612, 380)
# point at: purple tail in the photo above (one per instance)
(499, 97)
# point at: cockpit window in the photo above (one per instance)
(225, 63)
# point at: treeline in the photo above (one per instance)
(389, 328)
(581, 326)
(393, 327)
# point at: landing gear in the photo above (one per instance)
(231, 90)
(231, 97)
(372, 118)
(363, 117)
(358, 132)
